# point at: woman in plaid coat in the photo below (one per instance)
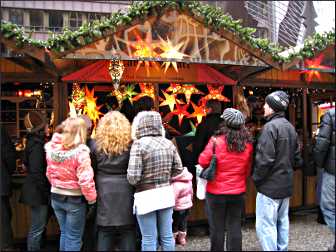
(154, 160)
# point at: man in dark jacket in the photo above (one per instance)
(324, 157)
(8, 166)
(207, 127)
(276, 154)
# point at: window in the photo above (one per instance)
(16, 16)
(56, 21)
(36, 20)
(75, 19)
(97, 16)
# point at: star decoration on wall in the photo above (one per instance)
(171, 51)
(174, 88)
(215, 93)
(315, 64)
(199, 112)
(170, 100)
(146, 90)
(189, 90)
(181, 112)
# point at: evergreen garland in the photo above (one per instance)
(212, 17)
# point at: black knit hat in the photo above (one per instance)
(233, 118)
(278, 101)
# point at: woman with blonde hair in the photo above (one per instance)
(115, 195)
(71, 177)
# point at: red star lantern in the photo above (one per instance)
(199, 112)
(315, 64)
(189, 90)
(175, 88)
(215, 93)
(181, 111)
(146, 90)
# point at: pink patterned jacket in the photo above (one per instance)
(183, 190)
(70, 169)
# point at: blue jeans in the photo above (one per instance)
(328, 199)
(39, 220)
(108, 236)
(272, 223)
(71, 219)
(154, 223)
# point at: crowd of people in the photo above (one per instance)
(127, 189)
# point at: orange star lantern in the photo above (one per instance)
(146, 90)
(91, 109)
(215, 93)
(314, 64)
(180, 111)
(169, 101)
(175, 88)
(189, 90)
(199, 112)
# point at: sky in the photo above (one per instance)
(325, 15)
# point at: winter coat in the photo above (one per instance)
(36, 188)
(232, 168)
(204, 131)
(154, 159)
(8, 162)
(277, 154)
(324, 148)
(183, 190)
(70, 169)
(115, 194)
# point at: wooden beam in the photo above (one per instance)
(33, 65)
(60, 101)
(26, 77)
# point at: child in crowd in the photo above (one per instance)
(183, 190)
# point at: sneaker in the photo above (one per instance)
(181, 238)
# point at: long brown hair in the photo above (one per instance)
(236, 139)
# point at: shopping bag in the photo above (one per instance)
(200, 184)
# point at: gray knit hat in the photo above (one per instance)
(278, 101)
(233, 118)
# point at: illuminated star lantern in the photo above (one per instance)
(129, 93)
(314, 64)
(181, 111)
(171, 51)
(146, 90)
(199, 112)
(169, 101)
(91, 109)
(175, 88)
(215, 93)
(189, 90)
(77, 96)
(144, 49)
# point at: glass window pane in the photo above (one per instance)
(36, 20)
(56, 20)
(16, 16)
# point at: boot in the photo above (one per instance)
(320, 217)
(181, 238)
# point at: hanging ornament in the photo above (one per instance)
(91, 109)
(77, 96)
(175, 88)
(199, 112)
(116, 70)
(189, 90)
(181, 112)
(169, 101)
(313, 68)
(146, 90)
(215, 93)
(171, 51)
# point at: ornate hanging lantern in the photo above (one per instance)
(116, 69)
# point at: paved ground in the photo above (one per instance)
(305, 235)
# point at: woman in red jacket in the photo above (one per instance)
(225, 193)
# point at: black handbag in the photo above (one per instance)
(209, 173)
